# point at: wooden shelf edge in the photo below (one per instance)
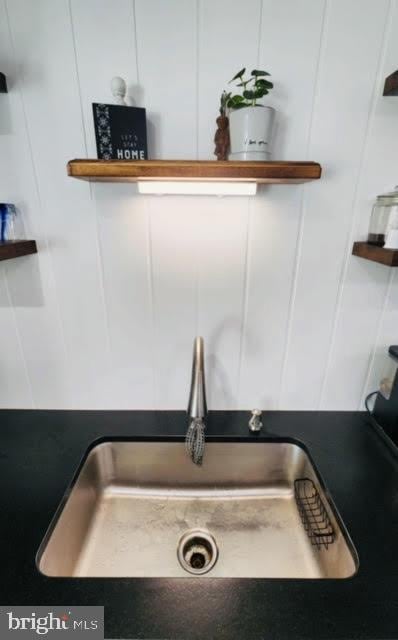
(17, 248)
(133, 170)
(388, 257)
(391, 85)
(3, 83)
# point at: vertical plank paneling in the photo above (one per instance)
(105, 47)
(105, 315)
(174, 295)
(222, 227)
(43, 41)
(382, 163)
(364, 287)
(30, 282)
(170, 84)
(221, 248)
(167, 51)
(276, 211)
(121, 214)
(351, 50)
(122, 220)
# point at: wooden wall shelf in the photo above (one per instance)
(201, 170)
(391, 85)
(17, 248)
(389, 257)
(3, 83)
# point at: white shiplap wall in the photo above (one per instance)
(105, 315)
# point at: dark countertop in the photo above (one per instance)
(40, 450)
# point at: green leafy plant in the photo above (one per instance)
(253, 89)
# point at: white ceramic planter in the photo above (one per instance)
(250, 131)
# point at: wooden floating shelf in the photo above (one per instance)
(17, 248)
(3, 83)
(391, 85)
(389, 257)
(200, 170)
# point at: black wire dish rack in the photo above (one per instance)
(313, 514)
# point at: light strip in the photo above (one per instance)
(198, 188)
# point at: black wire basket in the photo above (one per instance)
(313, 514)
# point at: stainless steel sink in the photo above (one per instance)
(142, 509)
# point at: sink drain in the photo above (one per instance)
(197, 551)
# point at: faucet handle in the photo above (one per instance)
(255, 422)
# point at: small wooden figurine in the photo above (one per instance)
(221, 138)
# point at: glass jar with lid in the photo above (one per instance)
(384, 217)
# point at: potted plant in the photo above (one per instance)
(250, 123)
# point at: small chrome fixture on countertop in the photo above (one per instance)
(255, 422)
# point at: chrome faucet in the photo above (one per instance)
(197, 407)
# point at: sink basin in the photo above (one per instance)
(143, 509)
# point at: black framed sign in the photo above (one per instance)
(120, 132)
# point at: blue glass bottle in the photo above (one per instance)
(7, 214)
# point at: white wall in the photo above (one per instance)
(104, 316)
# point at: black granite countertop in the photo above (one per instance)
(40, 450)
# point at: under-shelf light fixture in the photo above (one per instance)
(197, 187)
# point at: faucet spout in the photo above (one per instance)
(197, 406)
